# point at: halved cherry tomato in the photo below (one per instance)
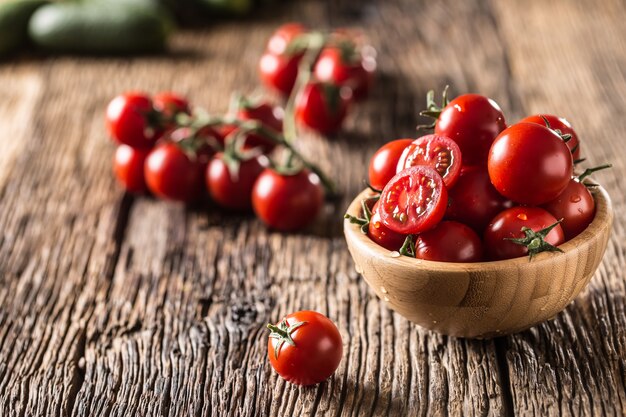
(383, 164)
(473, 200)
(233, 189)
(530, 164)
(561, 124)
(132, 120)
(435, 151)
(305, 347)
(381, 234)
(346, 67)
(322, 106)
(449, 242)
(128, 166)
(508, 225)
(413, 201)
(287, 202)
(576, 206)
(473, 122)
(172, 174)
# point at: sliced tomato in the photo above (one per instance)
(414, 200)
(436, 151)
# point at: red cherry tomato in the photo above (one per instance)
(508, 225)
(346, 67)
(128, 166)
(271, 117)
(211, 139)
(322, 107)
(575, 206)
(171, 174)
(449, 242)
(381, 234)
(438, 152)
(413, 201)
(287, 202)
(170, 104)
(473, 122)
(383, 164)
(305, 348)
(283, 36)
(233, 191)
(529, 164)
(473, 200)
(561, 124)
(128, 119)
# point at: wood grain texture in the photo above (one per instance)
(113, 305)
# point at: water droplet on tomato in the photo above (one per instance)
(522, 216)
(575, 198)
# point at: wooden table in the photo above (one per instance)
(112, 305)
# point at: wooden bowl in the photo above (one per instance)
(482, 299)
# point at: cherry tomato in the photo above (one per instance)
(209, 140)
(305, 347)
(561, 124)
(322, 106)
(473, 200)
(383, 164)
(271, 117)
(278, 67)
(529, 164)
(129, 119)
(233, 191)
(128, 166)
(381, 234)
(171, 173)
(169, 105)
(575, 206)
(287, 202)
(435, 151)
(346, 67)
(508, 224)
(413, 201)
(449, 242)
(473, 122)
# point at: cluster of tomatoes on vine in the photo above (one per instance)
(477, 190)
(178, 153)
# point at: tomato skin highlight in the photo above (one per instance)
(563, 125)
(322, 107)
(172, 175)
(473, 200)
(576, 206)
(357, 74)
(287, 202)
(414, 200)
(128, 166)
(529, 164)
(435, 151)
(449, 241)
(382, 166)
(127, 120)
(508, 225)
(381, 234)
(473, 122)
(233, 192)
(317, 351)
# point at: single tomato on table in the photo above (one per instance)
(382, 166)
(435, 151)
(128, 166)
(305, 347)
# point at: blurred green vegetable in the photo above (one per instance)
(14, 16)
(99, 26)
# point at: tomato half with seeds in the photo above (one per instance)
(128, 166)
(132, 120)
(305, 347)
(172, 174)
(575, 206)
(530, 164)
(509, 224)
(449, 241)
(233, 190)
(414, 200)
(435, 151)
(383, 164)
(561, 124)
(381, 234)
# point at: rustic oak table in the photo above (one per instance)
(113, 305)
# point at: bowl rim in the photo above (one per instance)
(602, 219)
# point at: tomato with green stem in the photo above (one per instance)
(305, 347)
(413, 201)
(382, 166)
(529, 164)
(230, 180)
(170, 104)
(344, 65)
(128, 166)
(562, 125)
(173, 173)
(449, 241)
(132, 120)
(287, 201)
(322, 106)
(271, 117)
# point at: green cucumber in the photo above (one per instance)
(100, 28)
(14, 16)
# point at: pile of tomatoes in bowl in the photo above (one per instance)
(476, 189)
